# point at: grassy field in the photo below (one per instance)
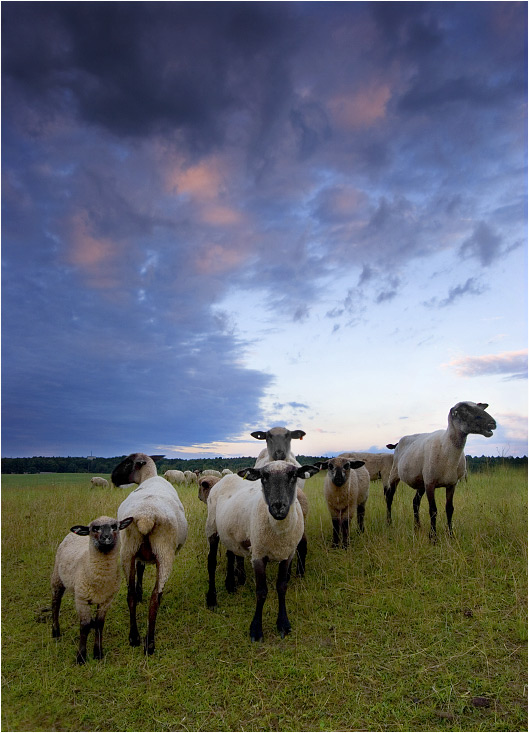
(393, 634)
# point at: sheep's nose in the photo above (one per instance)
(278, 510)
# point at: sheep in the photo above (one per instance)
(175, 477)
(158, 531)
(346, 490)
(98, 481)
(205, 484)
(211, 472)
(426, 461)
(190, 477)
(263, 520)
(226, 472)
(86, 563)
(278, 441)
(377, 464)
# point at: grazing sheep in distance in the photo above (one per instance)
(175, 477)
(98, 481)
(278, 441)
(87, 564)
(157, 533)
(190, 477)
(426, 461)
(226, 471)
(261, 519)
(211, 472)
(346, 489)
(378, 465)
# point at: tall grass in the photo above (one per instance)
(393, 634)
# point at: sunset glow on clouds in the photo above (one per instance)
(220, 217)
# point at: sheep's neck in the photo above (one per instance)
(456, 437)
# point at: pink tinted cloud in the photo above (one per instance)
(510, 363)
(91, 254)
(362, 108)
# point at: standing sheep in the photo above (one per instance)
(205, 484)
(426, 461)
(87, 564)
(157, 533)
(98, 481)
(278, 441)
(175, 477)
(190, 477)
(346, 489)
(377, 464)
(263, 520)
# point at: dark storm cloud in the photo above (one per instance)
(157, 156)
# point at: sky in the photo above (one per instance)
(223, 217)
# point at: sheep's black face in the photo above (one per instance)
(339, 472)
(471, 418)
(124, 472)
(104, 536)
(279, 487)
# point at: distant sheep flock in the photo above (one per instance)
(259, 513)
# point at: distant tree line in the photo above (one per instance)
(96, 465)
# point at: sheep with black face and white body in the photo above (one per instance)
(278, 448)
(87, 563)
(158, 531)
(262, 518)
(427, 461)
(346, 490)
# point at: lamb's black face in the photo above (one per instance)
(339, 471)
(279, 482)
(471, 418)
(104, 536)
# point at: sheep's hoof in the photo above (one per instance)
(55, 633)
(98, 654)
(148, 646)
(256, 637)
(211, 600)
(80, 659)
(134, 640)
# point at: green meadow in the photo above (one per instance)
(393, 634)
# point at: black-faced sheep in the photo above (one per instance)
(87, 563)
(346, 489)
(426, 461)
(260, 517)
(157, 533)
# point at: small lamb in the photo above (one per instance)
(158, 531)
(426, 461)
(87, 564)
(260, 517)
(346, 490)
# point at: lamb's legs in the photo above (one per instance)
(85, 618)
(261, 591)
(335, 532)
(240, 572)
(283, 624)
(140, 568)
(450, 505)
(134, 636)
(360, 514)
(98, 624)
(345, 532)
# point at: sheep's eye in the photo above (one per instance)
(114, 528)
(96, 529)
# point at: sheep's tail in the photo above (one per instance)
(145, 524)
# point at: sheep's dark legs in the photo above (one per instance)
(240, 572)
(335, 532)
(450, 505)
(230, 572)
(345, 532)
(390, 493)
(430, 494)
(211, 595)
(98, 624)
(154, 605)
(58, 592)
(360, 514)
(261, 591)
(416, 505)
(301, 555)
(140, 567)
(84, 630)
(134, 636)
(283, 624)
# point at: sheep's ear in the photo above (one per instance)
(322, 465)
(125, 522)
(357, 464)
(259, 435)
(157, 458)
(80, 529)
(251, 474)
(311, 470)
(483, 405)
(297, 434)
(392, 446)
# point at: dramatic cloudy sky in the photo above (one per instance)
(221, 217)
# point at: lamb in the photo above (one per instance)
(98, 481)
(426, 461)
(278, 441)
(86, 563)
(175, 477)
(378, 465)
(346, 490)
(263, 520)
(158, 531)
